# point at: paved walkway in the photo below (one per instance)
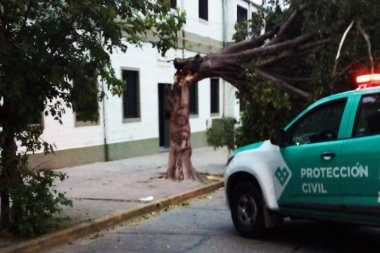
(100, 189)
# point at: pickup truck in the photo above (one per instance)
(324, 165)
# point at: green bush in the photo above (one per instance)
(266, 108)
(35, 201)
(222, 133)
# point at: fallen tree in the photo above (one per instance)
(287, 40)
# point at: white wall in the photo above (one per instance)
(213, 28)
(66, 135)
(153, 69)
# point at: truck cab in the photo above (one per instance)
(323, 165)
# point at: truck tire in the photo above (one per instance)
(247, 210)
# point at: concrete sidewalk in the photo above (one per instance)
(110, 192)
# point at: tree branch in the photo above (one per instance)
(284, 28)
(267, 50)
(278, 31)
(281, 83)
(340, 45)
(312, 45)
(192, 62)
(276, 59)
(300, 50)
(247, 44)
(293, 79)
(232, 78)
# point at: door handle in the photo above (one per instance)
(327, 156)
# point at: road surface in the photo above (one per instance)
(204, 225)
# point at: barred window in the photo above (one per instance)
(242, 14)
(214, 95)
(173, 4)
(193, 102)
(86, 106)
(131, 94)
(203, 9)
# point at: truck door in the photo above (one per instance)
(361, 161)
(312, 154)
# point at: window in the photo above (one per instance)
(193, 102)
(86, 105)
(214, 95)
(131, 94)
(173, 4)
(320, 124)
(203, 9)
(368, 116)
(242, 14)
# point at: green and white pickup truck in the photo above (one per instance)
(324, 165)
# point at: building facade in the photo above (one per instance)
(137, 123)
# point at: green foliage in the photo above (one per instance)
(241, 31)
(317, 71)
(31, 141)
(244, 29)
(186, 203)
(222, 133)
(51, 45)
(267, 108)
(34, 202)
(55, 55)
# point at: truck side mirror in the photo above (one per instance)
(277, 137)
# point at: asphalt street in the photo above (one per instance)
(204, 225)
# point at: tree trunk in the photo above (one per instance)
(10, 175)
(262, 52)
(179, 165)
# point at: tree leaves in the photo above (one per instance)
(314, 71)
(45, 45)
(47, 48)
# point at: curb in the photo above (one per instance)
(88, 228)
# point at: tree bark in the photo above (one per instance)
(262, 52)
(10, 175)
(180, 165)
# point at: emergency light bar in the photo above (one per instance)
(368, 80)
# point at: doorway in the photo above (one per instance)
(163, 118)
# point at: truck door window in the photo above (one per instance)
(367, 120)
(320, 124)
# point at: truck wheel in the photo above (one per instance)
(247, 210)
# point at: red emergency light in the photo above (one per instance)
(368, 80)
